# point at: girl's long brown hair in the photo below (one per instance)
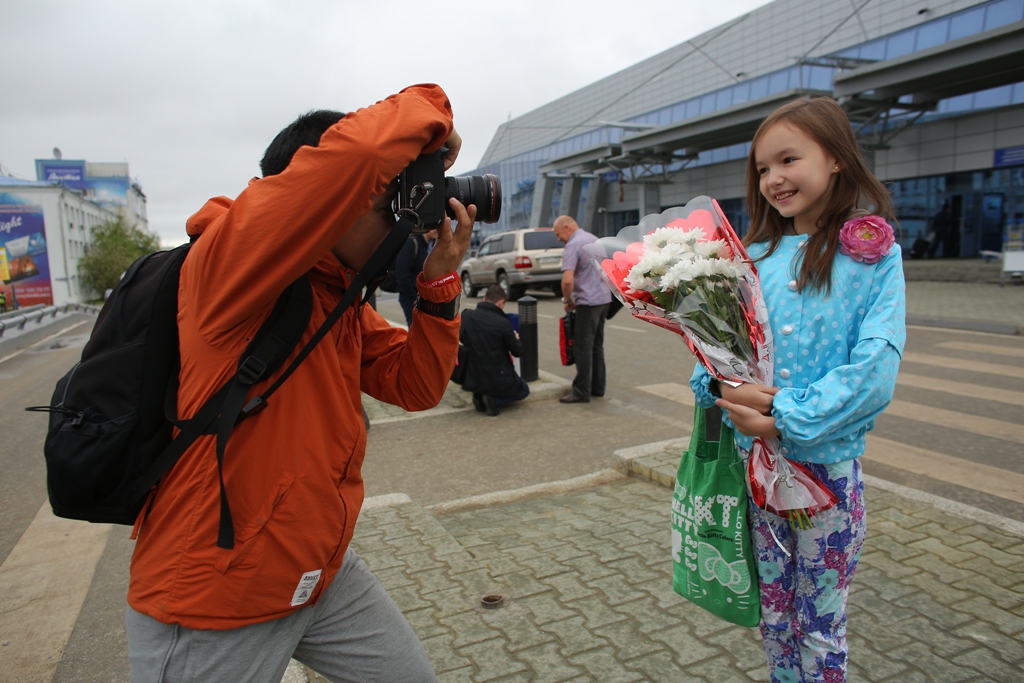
(826, 123)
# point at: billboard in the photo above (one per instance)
(23, 242)
(67, 172)
(105, 191)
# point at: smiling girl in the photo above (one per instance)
(832, 280)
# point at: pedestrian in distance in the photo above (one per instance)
(490, 341)
(837, 310)
(584, 292)
(291, 586)
(3, 301)
(942, 223)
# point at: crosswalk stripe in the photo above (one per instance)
(43, 583)
(946, 468)
(978, 391)
(983, 348)
(625, 329)
(951, 363)
(985, 478)
(964, 422)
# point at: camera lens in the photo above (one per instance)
(482, 190)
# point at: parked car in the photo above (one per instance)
(516, 260)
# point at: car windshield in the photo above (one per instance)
(540, 240)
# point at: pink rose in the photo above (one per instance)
(866, 239)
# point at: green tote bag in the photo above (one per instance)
(713, 564)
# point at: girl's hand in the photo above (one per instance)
(748, 420)
(751, 395)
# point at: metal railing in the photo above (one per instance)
(19, 318)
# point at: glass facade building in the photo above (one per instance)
(984, 198)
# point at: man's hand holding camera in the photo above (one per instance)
(450, 246)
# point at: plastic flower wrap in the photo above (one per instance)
(686, 270)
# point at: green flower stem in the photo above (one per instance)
(710, 308)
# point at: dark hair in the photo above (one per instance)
(305, 130)
(824, 121)
(494, 294)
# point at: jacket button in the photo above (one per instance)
(792, 285)
(784, 373)
(787, 329)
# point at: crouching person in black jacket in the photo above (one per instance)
(489, 338)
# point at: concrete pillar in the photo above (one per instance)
(592, 221)
(650, 199)
(540, 212)
(569, 203)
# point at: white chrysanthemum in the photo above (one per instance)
(730, 268)
(673, 252)
(710, 248)
(639, 282)
(682, 271)
(664, 236)
(674, 256)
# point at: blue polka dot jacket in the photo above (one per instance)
(836, 356)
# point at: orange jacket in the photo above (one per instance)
(292, 472)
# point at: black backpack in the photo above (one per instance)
(111, 416)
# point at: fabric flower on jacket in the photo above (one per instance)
(866, 239)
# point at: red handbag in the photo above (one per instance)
(565, 338)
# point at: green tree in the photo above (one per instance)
(115, 245)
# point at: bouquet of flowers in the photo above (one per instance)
(686, 270)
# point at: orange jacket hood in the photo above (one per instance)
(328, 267)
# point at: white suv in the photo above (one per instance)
(531, 257)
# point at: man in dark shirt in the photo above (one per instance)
(489, 338)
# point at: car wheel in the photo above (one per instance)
(504, 284)
(468, 290)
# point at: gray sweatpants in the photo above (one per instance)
(355, 632)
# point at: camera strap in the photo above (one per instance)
(379, 261)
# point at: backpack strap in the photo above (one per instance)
(269, 348)
(365, 278)
(274, 341)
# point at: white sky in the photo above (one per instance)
(190, 93)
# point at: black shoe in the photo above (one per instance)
(491, 405)
(594, 394)
(573, 397)
(478, 403)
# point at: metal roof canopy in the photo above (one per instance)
(712, 130)
(583, 161)
(978, 62)
(660, 145)
(971, 64)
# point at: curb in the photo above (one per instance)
(548, 386)
(641, 462)
(515, 495)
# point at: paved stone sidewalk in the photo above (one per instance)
(456, 400)
(586, 580)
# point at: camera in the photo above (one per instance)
(424, 190)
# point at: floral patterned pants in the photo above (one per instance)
(803, 595)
